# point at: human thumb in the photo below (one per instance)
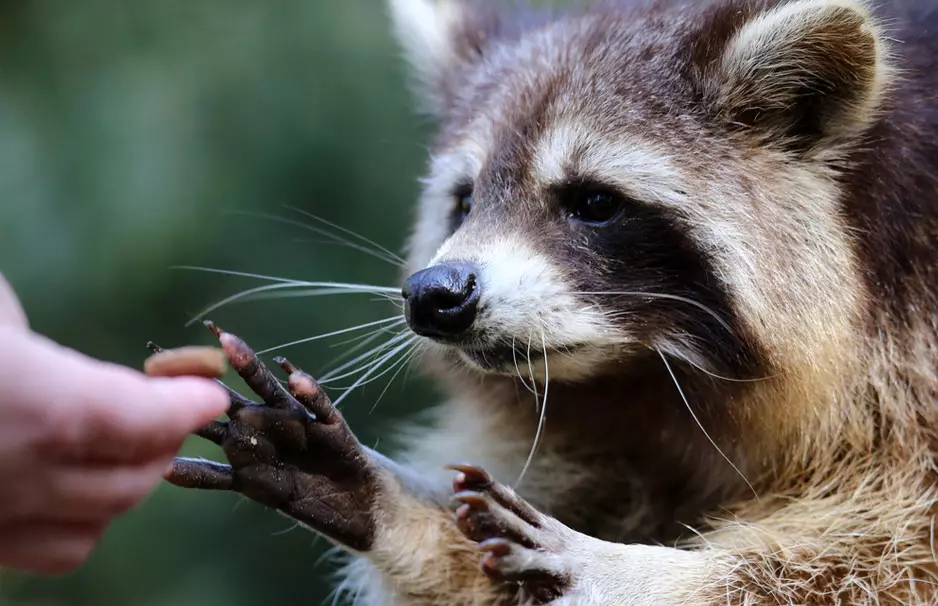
(11, 312)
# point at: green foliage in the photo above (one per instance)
(138, 136)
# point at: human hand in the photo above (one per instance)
(81, 442)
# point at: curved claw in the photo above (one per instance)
(473, 499)
(470, 477)
(498, 547)
(200, 474)
(249, 367)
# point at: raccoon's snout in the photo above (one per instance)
(442, 301)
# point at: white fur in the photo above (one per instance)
(612, 574)
(525, 298)
(633, 164)
(424, 29)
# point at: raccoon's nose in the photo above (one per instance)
(441, 301)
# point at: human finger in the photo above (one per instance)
(101, 411)
(11, 311)
(48, 548)
(81, 493)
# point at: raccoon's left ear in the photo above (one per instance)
(439, 38)
(802, 76)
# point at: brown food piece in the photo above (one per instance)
(209, 362)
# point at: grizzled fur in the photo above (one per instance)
(742, 366)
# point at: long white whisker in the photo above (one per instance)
(721, 378)
(228, 272)
(700, 425)
(514, 357)
(333, 375)
(241, 295)
(540, 423)
(418, 347)
(377, 365)
(391, 255)
(401, 365)
(380, 254)
(653, 295)
(319, 292)
(369, 367)
(531, 374)
(397, 301)
(374, 333)
(328, 288)
(246, 295)
(394, 319)
(311, 292)
(365, 341)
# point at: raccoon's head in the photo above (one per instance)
(622, 179)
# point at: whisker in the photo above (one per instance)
(391, 255)
(401, 365)
(281, 284)
(373, 333)
(286, 530)
(419, 347)
(365, 341)
(377, 365)
(540, 422)
(652, 295)
(514, 357)
(700, 425)
(248, 295)
(242, 274)
(331, 334)
(244, 294)
(317, 292)
(531, 374)
(712, 374)
(396, 300)
(380, 254)
(369, 367)
(331, 376)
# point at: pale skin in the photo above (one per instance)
(82, 442)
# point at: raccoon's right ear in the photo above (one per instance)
(439, 38)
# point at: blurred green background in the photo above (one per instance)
(138, 136)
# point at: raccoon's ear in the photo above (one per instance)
(439, 37)
(804, 75)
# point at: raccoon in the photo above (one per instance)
(675, 267)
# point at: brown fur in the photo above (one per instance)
(794, 191)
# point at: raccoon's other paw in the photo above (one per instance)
(521, 546)
(294, 452)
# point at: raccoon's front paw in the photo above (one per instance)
(294, 452)
(521, 546)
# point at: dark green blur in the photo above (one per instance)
(137, 136)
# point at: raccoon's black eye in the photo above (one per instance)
(596, 207)
(464, 203)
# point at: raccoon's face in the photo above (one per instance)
(623, 181)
